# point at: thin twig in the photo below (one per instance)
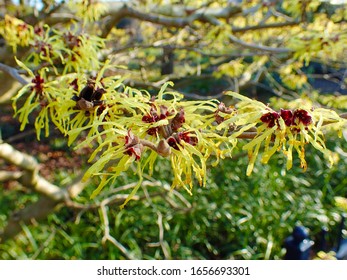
(265, 26)
(259, 47)
(13, 73)
(161, 236)
(20, 136)
(108, 237)
(198, 50)
(202, 15)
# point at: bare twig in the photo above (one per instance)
(265, 26)
(20, 136)
(161, 236)
(178, 195)
(202, 15)
(108, 237)
(13, 72)
(36, 211)
(259, 47)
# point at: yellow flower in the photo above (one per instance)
(16, 32)
(285, 131)
(46, 47)
(41, 95)
(81, 52)
(88, 10)
(76, 51)
(142, 127)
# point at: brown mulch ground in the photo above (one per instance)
(50, 156)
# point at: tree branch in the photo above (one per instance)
(108, 237)
(15, 157)
(197, 49)
(202, 15)
(13, 72)
(242, 43)
(10, 175)
(38, 210)
(52, 194)
(265, 26)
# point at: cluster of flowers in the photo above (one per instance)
(55, 56)
(285, 131)
(16, 32)
(290, 118)
(70, 50)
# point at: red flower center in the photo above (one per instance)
(270, 118)
(289, 117)
(302, 116)
(38, 84)
(185, 136)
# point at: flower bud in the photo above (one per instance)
(85, 105)
(163, 148)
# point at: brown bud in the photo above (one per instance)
(85, 105)
(163, 148)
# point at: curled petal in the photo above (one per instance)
(271, 118)
(287, 116)
(302, 116)
(135, 150)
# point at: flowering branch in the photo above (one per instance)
(253, 134)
